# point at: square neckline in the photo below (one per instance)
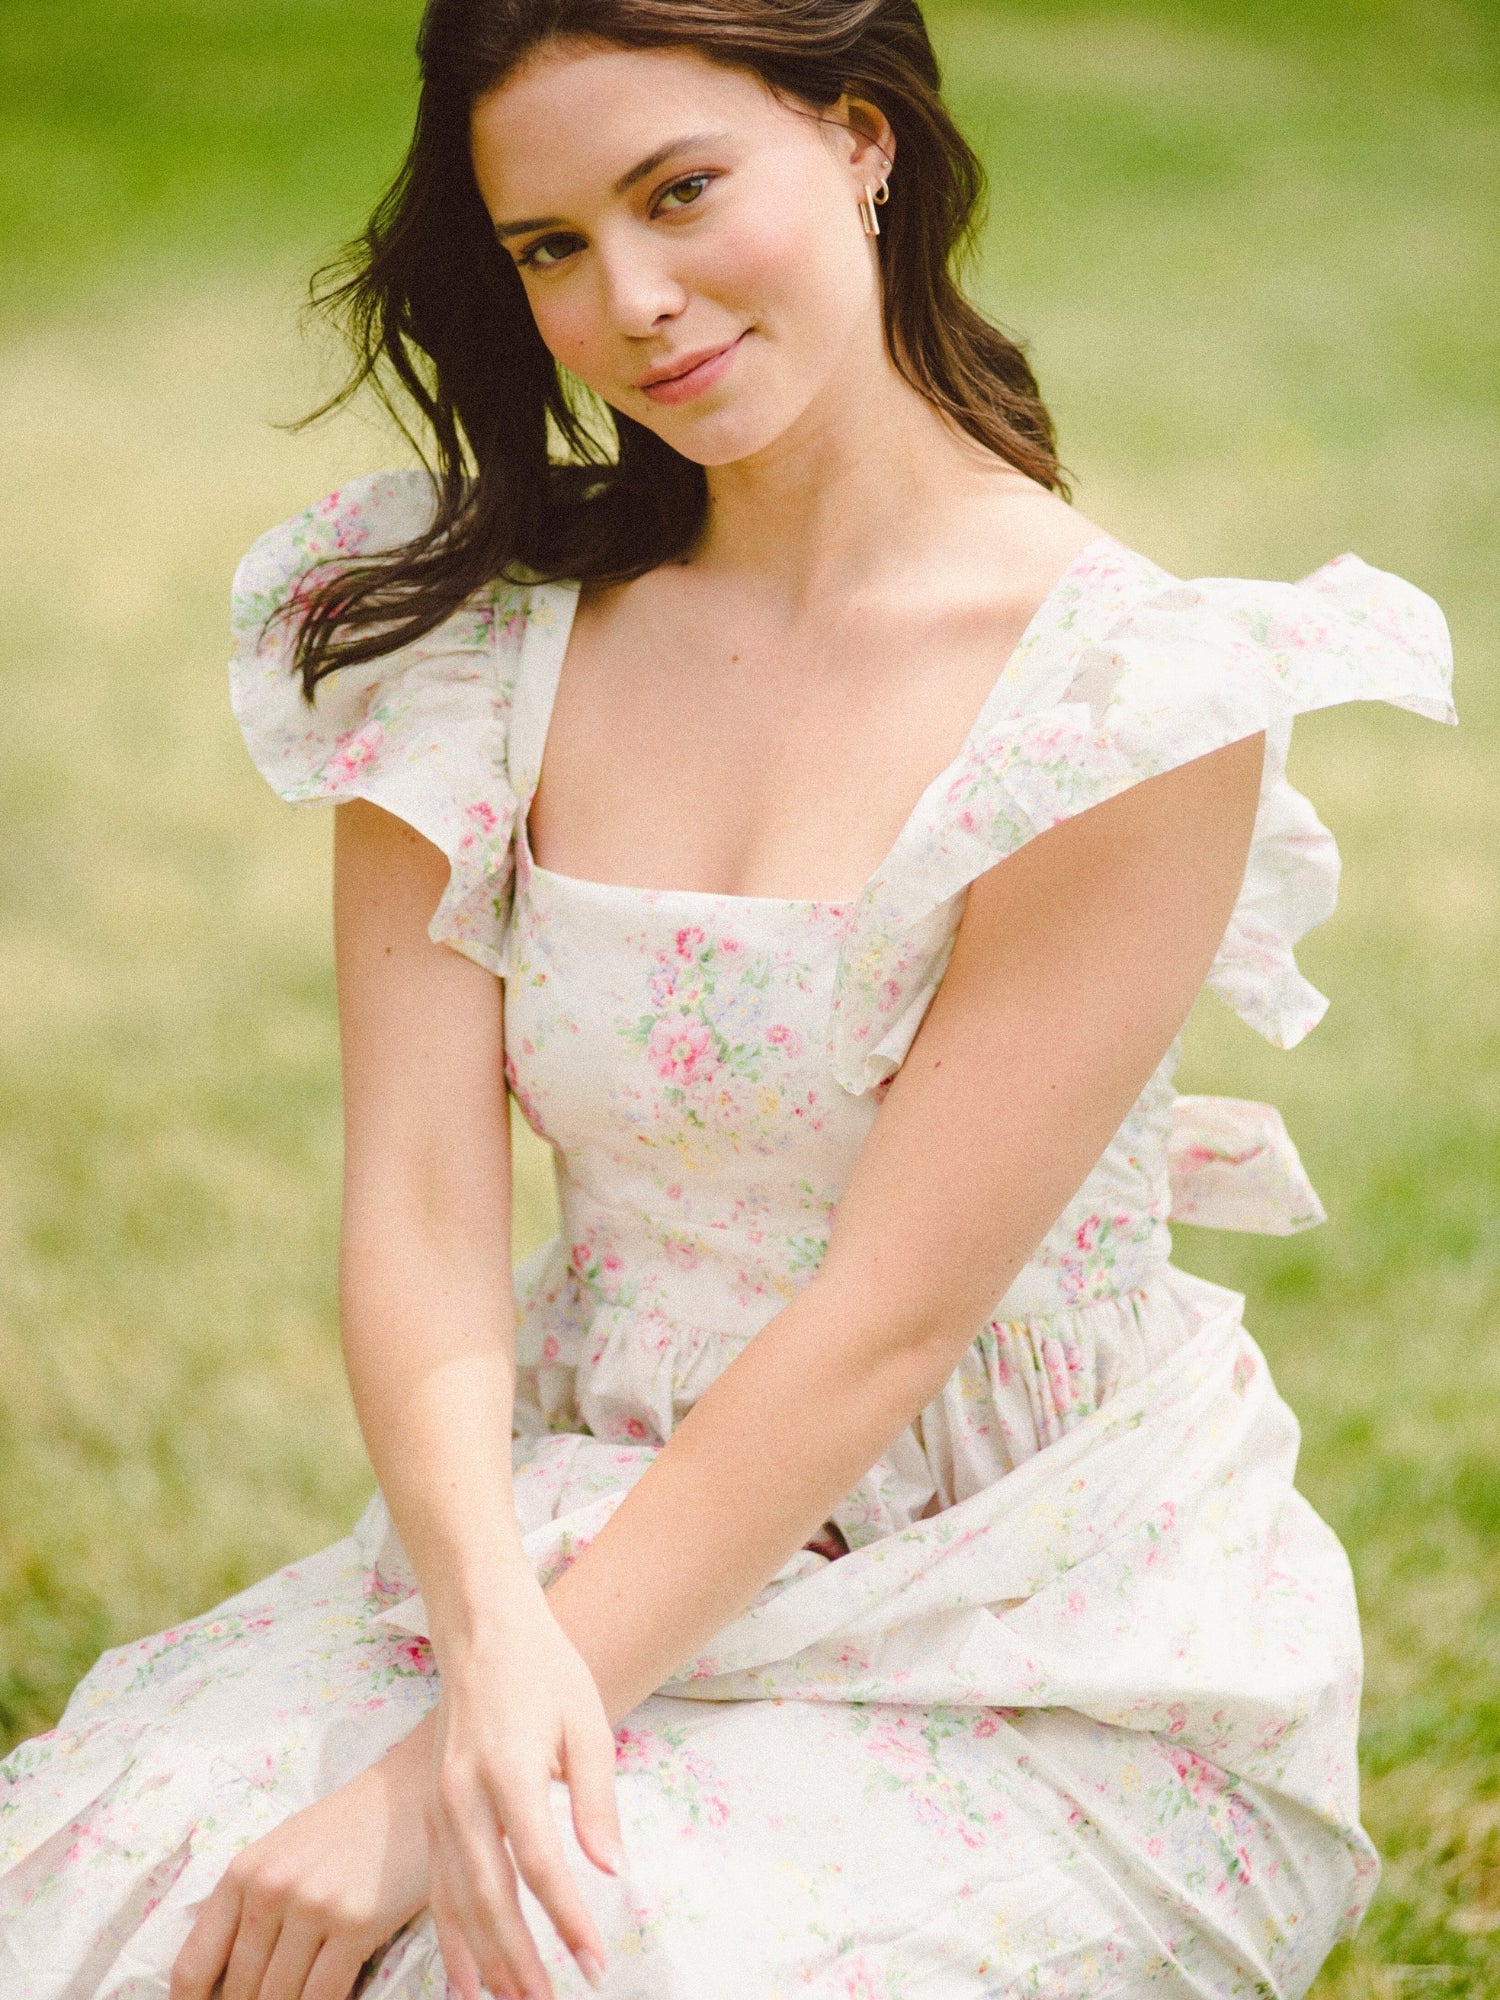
(549, 612)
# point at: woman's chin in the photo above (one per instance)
(724, 437)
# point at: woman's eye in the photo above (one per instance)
(683, 193)
(550, 251)
(547, 251)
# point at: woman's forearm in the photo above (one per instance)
(751, 1473)
(429, 1345)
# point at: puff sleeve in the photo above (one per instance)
(1131, 673)
(421, 732)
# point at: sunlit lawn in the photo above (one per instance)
(1255, 255)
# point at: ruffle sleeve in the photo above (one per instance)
(1132, 673)
(421, 732)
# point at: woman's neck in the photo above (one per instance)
(865, 477)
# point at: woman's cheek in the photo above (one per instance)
(782, 266)
(570, 336)
(754, 264)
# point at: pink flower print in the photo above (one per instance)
(632, 1747)
(353, 756)
(900, 1749)
(784, 1038)
(349, 530)
(688, 940)
(484, 814)
(1059, 1366)
(859, 1980)
(726, 1110)
(680, 1049)
(1088, 1232)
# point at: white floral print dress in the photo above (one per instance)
(1076, 1714)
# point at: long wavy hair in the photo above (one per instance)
(532, 478)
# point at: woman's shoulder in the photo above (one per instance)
(363, 519)
(1129, 671)
(1139, 645)
(1126, 672)
(462, 667)
(1121, 631)
(422, 730)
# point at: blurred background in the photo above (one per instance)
(1254, 248)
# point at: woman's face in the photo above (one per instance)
(691, 246)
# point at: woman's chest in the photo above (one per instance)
(746, 761)
(678, 1033)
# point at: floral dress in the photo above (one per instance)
(1076, 1713)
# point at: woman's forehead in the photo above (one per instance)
(582, 116)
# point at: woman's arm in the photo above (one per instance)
(429, 1339)
(427, 1309)
(428, 1315)
(1076, 962)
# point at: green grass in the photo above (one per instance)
(1253, 248)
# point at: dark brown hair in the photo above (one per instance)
(529, 477)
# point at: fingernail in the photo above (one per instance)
(590, 1967)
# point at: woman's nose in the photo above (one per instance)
(641, 292)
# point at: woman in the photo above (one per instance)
(823, 831)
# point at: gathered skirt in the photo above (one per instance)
(1089, 1731)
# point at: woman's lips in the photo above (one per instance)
(695, 377)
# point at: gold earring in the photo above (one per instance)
(869, 201)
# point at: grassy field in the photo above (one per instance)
(1253, 248)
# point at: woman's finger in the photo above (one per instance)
(298, 1944)
(543, 1866)
(254, 1942)
(335, 1969)
(481, 1884)
(589, 1773)
(458, 1960)
(205, 1951)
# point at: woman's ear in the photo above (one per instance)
(871, 142)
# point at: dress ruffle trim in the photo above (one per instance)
(420, 732)
(1231, 1164)
(1135, 674)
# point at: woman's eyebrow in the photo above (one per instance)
(622, 186)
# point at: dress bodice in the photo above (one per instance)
(672, 1050)
(706, 1068)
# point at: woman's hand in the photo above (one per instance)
(519, 1709)
(300, 1910)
